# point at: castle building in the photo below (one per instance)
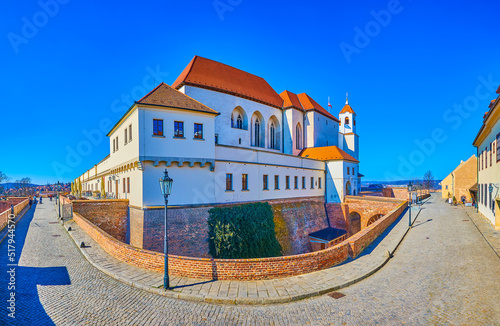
(226, 136)
(487, 143)
(462, 181)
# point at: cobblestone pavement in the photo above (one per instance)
(444, 273)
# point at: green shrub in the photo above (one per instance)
(242, 231)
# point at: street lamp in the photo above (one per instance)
(409, 203)
(166, 188)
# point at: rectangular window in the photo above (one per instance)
(498, 147)
(130, 133)
(114, 147)
(296, 182)
(287, 182)
(125, 136)
(128, 185)
(265, 182)
(178, 129)
(319, 183)
(486, 157)
(116, 142)
(124, 189)
(198, 131)
(312, 182)
(303, 182)
(491, 154)
(276, 182)
(244, 182)
(446, 187)
(157, 127)
(229, 182)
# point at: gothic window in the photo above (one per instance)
(239, 122)
(298, 137)
(257, 132)
(272, 136)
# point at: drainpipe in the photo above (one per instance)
(477, 181)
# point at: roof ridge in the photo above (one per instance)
(149, 93)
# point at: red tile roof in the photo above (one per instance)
(213, 75)
(309, 104)
(327, 153)
(347, 108)
(164, 95)
(291, 100)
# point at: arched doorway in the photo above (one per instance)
(348, 188)
(374, 218)
(354, 222)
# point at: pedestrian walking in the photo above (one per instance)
(31, 202)
(40, 199)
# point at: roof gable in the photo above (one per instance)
(164, 95)
(309, 104)
(213, 75)
(327, 153)
(291, 100)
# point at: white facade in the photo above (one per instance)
(245, 144)
(487, 143)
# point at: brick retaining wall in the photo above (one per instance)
(241, 269)
(222, 269)
(109, 215)
(19, 204)
(362, 239)
(294, 219)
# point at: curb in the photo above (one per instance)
(479, 230)
(236, 300)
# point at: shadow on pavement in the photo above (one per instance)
(22, 281)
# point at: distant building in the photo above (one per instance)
(226, 136)
(487, 143)
(461, 182)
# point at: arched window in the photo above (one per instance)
(257, 132)
(272, 136)
(346, 120)
(239, 118)
(239, 122)
(298, 137)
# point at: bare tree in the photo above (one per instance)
(24, 185)
(429, 180)
(3, 178)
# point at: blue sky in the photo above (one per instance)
(413, 70)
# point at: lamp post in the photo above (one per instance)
(58, 199)
(409, 203)
(166, 187)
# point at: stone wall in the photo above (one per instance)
(362, 239)
(241, 269)
(221, 269)
(19, 203)
(109, 215)
(294, 219)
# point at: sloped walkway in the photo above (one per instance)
(281, 290)
(491, 235)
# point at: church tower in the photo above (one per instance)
(348, 139)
